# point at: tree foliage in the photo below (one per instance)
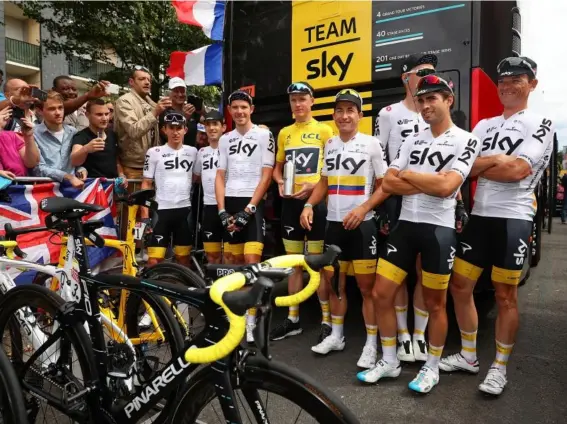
(138, 32)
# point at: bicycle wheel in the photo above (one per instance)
(63, 370)
(287, 391)
(190, 319)
(12, 405)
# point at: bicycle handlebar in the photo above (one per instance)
(220, 288)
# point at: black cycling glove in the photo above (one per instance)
(461, 216)
(225, 218)
(242, 218)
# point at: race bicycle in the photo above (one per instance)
(12, 405)
(234, 374)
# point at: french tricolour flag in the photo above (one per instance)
(198, 67)
(206, 14)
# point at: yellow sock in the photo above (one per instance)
(251, 316)
(503, 352)
(389, 349)
(293, 314)
(325, 309)
(371, 335)
(468, 346)
(337, 323)
(402, 319)
(434, 357)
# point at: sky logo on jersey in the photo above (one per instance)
(306, 159)
(349, 185)
(410, 131)
(434, 159)
(210, 164)
(348, 164)
(176, 164)
(469, 151)
(242, 148)
(506, 144)
(542, 131)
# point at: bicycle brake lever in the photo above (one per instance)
(336, 279)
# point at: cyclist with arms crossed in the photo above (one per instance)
(516, 148)
(244, 174)
(170, 168)
(206, 170)
(428, 171)
(303, 143)
(353, 165)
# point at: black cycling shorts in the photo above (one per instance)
(359, 246)
(211, 229)
(249, 240)
(502, 243)
(436, 244)
(393, 207)
(294, 234)
(171, 222)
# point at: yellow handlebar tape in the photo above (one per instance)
(289, 261)
(237, 327)
(9, 246)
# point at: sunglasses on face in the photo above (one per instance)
(433, 80)
(423, 72)
(514, 62)
(348, 91)
(141, 68)
(299, 87)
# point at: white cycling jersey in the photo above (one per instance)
(172, 172)
(206, 167)
(454, 150)
(351, 168)
(243, 157)
(529, 137)
(394, 124)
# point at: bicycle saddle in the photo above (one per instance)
(59, 205)
(140, 197)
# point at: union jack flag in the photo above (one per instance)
(44, 247)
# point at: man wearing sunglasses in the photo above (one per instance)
(170, 169)
(394, 124)
(302, 143)
(516, 148)
(244, 174)
(428, 171)
(353, 166)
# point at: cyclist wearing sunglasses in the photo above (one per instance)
(303, 143)
(170, 168)
(516, 148)
(427, 171)
(394, 124)
(244, 174)
(353, 166)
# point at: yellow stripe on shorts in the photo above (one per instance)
(466, 269)
(156, 252)
(364, 266)
(506, 276)
(435, 281)
(253, 248)
(182, 250)
(294, 247)
(390, 271)
(212, 247)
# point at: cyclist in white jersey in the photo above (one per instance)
(516, 148)
(428, 171)
(244, 174)
(170, 169)
(206, 170)
(353, 165)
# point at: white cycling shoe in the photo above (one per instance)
(494, 382)
(329, 344)
(405, 352)
(425, 380)
(368, 358)
(457, 362)
(420, 350)
(382, 369)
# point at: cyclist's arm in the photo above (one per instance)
(438, 185)
(220, 179)
(263, 186)
(319, 192)
(197, 167)
(382, 128)
(380, 168)
(147, 184)
(482, 164)
(148, 178)
(278, 173)
(392, 184)
(268, 158)
(280, 159)
(513, 171)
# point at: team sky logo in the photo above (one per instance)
(521, 253)
(349, 164)
(373, 245)
(210, 163)
(505, 144)
(147, 163)
(242, 148)
(543, 130)
(469, 152)
(306, 159)
(436, 159)
(451, 259)
(177, 163)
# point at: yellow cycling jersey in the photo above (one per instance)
(304, 142)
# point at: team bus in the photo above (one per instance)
(361, 44)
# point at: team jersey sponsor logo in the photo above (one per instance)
(306, 159)
(542, 131)
(242, 148)
(506, 144)
(210, 163)
(177, 163)
(348, 164)
(436, 159)
(469, 151)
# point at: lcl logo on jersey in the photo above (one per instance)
(469, 151)
(242, 148)
(542, 131)
(310, 137)
(306, 159)
(434, 159)
(348, 164)
(506, 144)
(176, 164)
(210, 164)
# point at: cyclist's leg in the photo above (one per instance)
(236, 239)
(473, 245)
(315, 242)
(334, 234)
(182, 236)
(512, 245)
(212, 234)
(397, 256)
(420, 316)
(364, 243)
(438, 249)
(161, 236)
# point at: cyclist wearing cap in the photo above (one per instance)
(394, 124)
(246, 160)
(206, 169)
(427, 171)
(516, 148)
(353, 165)
(170, 168)
(303, 143)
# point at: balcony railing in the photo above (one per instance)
(92, 71)
(22, 52)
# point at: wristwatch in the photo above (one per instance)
(251, 208)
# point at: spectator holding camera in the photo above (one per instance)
(19, 99)
(53, 139)
(96, 147)
(16, 155)
(136, 122)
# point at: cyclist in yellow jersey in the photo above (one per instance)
(303, 143)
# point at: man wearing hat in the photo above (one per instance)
(428, 170)
(206, 170)
(516, 149)
(353, 165)
(170, 169)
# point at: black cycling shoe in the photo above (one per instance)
(325, 331)
(287, 328)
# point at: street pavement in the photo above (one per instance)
(536, 373)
